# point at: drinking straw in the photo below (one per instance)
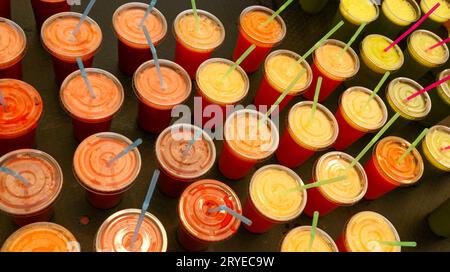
(413, 145)
(127, 150)
(83, 17)
(316, 99)
(144, 209)
(374, 140)
(147, 12)
(439, 44)
(270, 19)
(377, 88)
(432, 86)
(15, 174)
(233, 213)
(197, 19)
(412, 28)
(397, 243)
(155, 58)
(3, 101)
(352, 39)
(315, 184)
(240, 60)
(445, 148)
(313, 230)
(197, 135)
(85, 78)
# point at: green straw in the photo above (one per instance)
(377, 88)
(396, 243)
(316, 99)
(313, 230)
(197, 19)
(413, 145)
(316, 184)
(240, 60)
(352, 39)
(283, 7)
(374, 140)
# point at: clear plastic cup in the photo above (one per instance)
(13, 49)
(43, 9)
(437, 138)
(297, 240)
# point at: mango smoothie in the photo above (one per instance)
(397, 92)
(297, 240)
(437, 138)
(364, 230)
(306, 134)
(268, 202)
(13, 45)
(440, 99)
(439, 16)
(357, 115)
(41, 237)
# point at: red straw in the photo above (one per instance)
(432, 86)
(411, 29)
(446, 148)
(439, 43)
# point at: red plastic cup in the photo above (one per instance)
(297, 240)
(362, 232)
(180, 169)
(343, 193)
(132, 43)
(195, 47)
(248, 141)
(105, 184)
(269, 201)
(13, 49)
(65, 48)
(280, 69)
(216, 90)
(20, 117)
(304, 137)
(31, 203)
(116, 233)
(155, 103)
(198, 227)
(5, 8)
(385, 173)
(43, 9)
(265, 38)
(353, 122)
(91, 115)
(332, 75)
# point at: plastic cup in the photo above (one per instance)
(133, 48)
(58, 40)
(439, 220)
(385, 173)
(105, 184)
(265, 38)
(395, 17)
(13, 47)
(437, 138)
(5, 8)
(362, 232)
(280, 69)
(198, 227)
(376, 62)
(305, 136)
(440, 98)
(438, 17)
(356, 117)
(334, 69)
(354, 13)
(116, 233)
(269, 201)
(217, 90)
(195, 47)
(248, 141)
(313, 6)
(419, 60)
(344, 193)
(297, 240)
(41, 237)
(155, 103)
(178, 171)
(31, 203)
(19, 122)
(91, 115)
(43, 9)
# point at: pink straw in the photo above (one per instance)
(411, 29)
(446, 148)
(432, 86)
(439, 44)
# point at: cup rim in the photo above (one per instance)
(21, 54)
(358, 19)
(428, 7)
(415, 52)
(427, 143)
(415, 6)
(321, 232)
(384, 68)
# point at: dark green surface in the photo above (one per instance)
(406, 208)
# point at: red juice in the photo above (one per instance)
(5, 8)
(43, 9)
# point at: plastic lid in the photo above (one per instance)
(13, 43)
(437, 138)
(373, 54)
(297, 240)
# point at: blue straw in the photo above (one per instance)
(83, 17)
(145, 205)
(147, 12)
(197, 135)
(15, 174)
(85, 78)
(155, 57)
(3, 101)
(240, 217)
(127, 150)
